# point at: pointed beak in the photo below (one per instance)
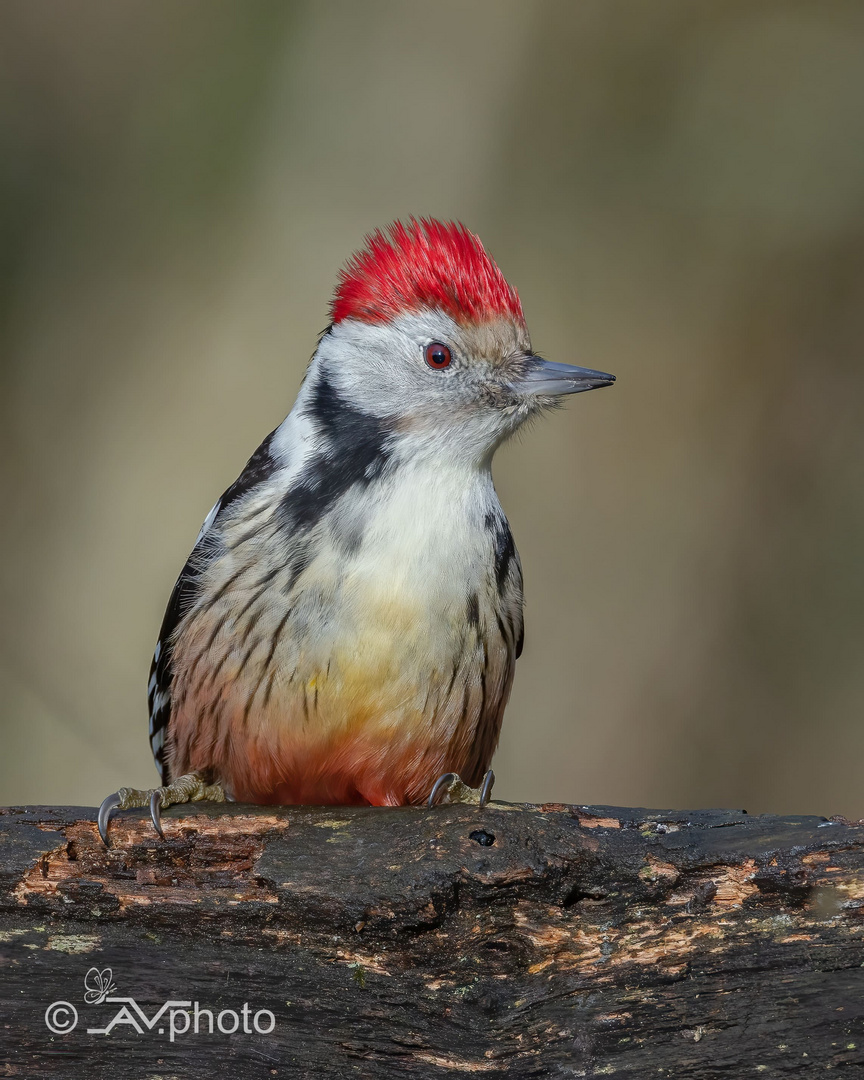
(545, 377)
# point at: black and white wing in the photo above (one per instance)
(183, 596)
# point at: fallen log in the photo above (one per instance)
(521, 941)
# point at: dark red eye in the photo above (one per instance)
(438, 356)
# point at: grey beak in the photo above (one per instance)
(545, 377)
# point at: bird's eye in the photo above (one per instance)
(438, 356)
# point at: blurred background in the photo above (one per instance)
(677, 191)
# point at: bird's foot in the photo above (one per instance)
(456, 791)
(189, 788)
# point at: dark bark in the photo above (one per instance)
(517, 941)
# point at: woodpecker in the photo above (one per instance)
(346, 628)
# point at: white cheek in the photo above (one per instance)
(380, 369)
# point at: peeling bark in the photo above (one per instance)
(522, 941)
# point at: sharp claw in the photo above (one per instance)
(104, 814)
(486, 790)
(442, 781)
(156, 812)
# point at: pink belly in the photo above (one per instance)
(348, 773)
(364, 765)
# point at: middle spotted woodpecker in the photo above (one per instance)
(347, 625)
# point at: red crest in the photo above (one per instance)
(424, 264)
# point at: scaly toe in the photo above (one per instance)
(124, 799)
(457, 791)
(189, 788)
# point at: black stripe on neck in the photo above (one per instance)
(356, 449)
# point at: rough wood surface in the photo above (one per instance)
(516, 941)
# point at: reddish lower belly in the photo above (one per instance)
(347, 775)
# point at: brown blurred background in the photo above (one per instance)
(677, 190)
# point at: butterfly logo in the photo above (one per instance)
(98, 985)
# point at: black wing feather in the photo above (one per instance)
(184, 594)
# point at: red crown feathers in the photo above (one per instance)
(425, 263)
